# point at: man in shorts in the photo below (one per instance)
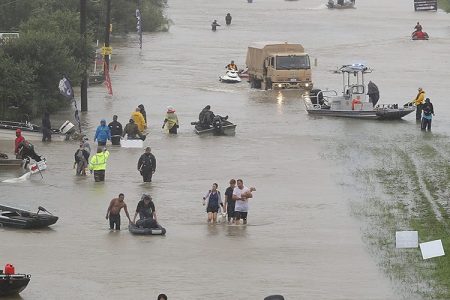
(241, 194)
(113, 212)
(229, 202)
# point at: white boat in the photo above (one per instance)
(353, 103)
(32, 132)
(341, 4)
(231, 76)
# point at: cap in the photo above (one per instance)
(170, 109)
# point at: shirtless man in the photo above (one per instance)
(113, 212)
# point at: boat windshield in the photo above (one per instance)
(293, 62)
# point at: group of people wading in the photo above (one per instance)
(424, 109)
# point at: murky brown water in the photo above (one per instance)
(303, 243)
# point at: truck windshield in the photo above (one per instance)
(293, 62)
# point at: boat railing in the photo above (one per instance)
(322, 97)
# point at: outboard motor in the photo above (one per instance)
(217, 124)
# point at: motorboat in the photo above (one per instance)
(18, 218)
(220, 126)
(231, 76)
(341, 4)
(11, 283)
(353, 103)
(33, 132)
(138, 230)
(419, 35)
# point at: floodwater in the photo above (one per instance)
(301, 241)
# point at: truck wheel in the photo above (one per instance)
(267, 84)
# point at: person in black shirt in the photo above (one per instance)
(143, 112)
(46, 128)
(116, 131)
(147, 165)
(147, 213)
(229, 202)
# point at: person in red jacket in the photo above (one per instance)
(19, 139)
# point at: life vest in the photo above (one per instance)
(231, 67)
(98, 161)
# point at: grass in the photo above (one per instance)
(405, 187)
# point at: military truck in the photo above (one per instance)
(278, 65)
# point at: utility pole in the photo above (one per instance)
(107, 31)
(84, 60)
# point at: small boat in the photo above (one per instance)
(419, 35)
(11, 162)
(33, 132)
(341, 4)
(353, 102)
(11, 283)
(231, 76)
(14, 217)
(146, 231)
(220, 127)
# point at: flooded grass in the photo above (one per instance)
(406, 189)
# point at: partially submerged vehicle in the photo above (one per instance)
(220, 126)
(231, 76)
(33, 132)
(353, 103)
(341, 4)
(12, 283)
(18, 218)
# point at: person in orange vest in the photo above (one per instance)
(139, 119)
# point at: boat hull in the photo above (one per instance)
(11, 162)
(382, 114)
(229, 130)
(13, 284)
(17, 218)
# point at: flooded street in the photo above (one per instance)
(302, 240)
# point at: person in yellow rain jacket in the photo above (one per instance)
(98, 164)
(418, 102)
(139, 119)
(171, 121)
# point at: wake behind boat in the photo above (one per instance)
(353, 102)
(18, 218)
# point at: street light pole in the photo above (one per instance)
(84, 61)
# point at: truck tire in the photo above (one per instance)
(267, 84)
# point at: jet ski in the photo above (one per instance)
(14, 217)
(231, 76)
(11, 283)
(419, 35)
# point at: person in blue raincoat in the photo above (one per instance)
(103, 134)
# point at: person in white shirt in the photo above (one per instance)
(241, 194)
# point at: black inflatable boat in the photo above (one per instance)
(14, 217)
(146, 231)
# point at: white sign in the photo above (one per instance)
(432, 249)
(132, 143)
(406, 239)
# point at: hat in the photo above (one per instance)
(170, 109)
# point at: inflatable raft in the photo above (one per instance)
(146, 231)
